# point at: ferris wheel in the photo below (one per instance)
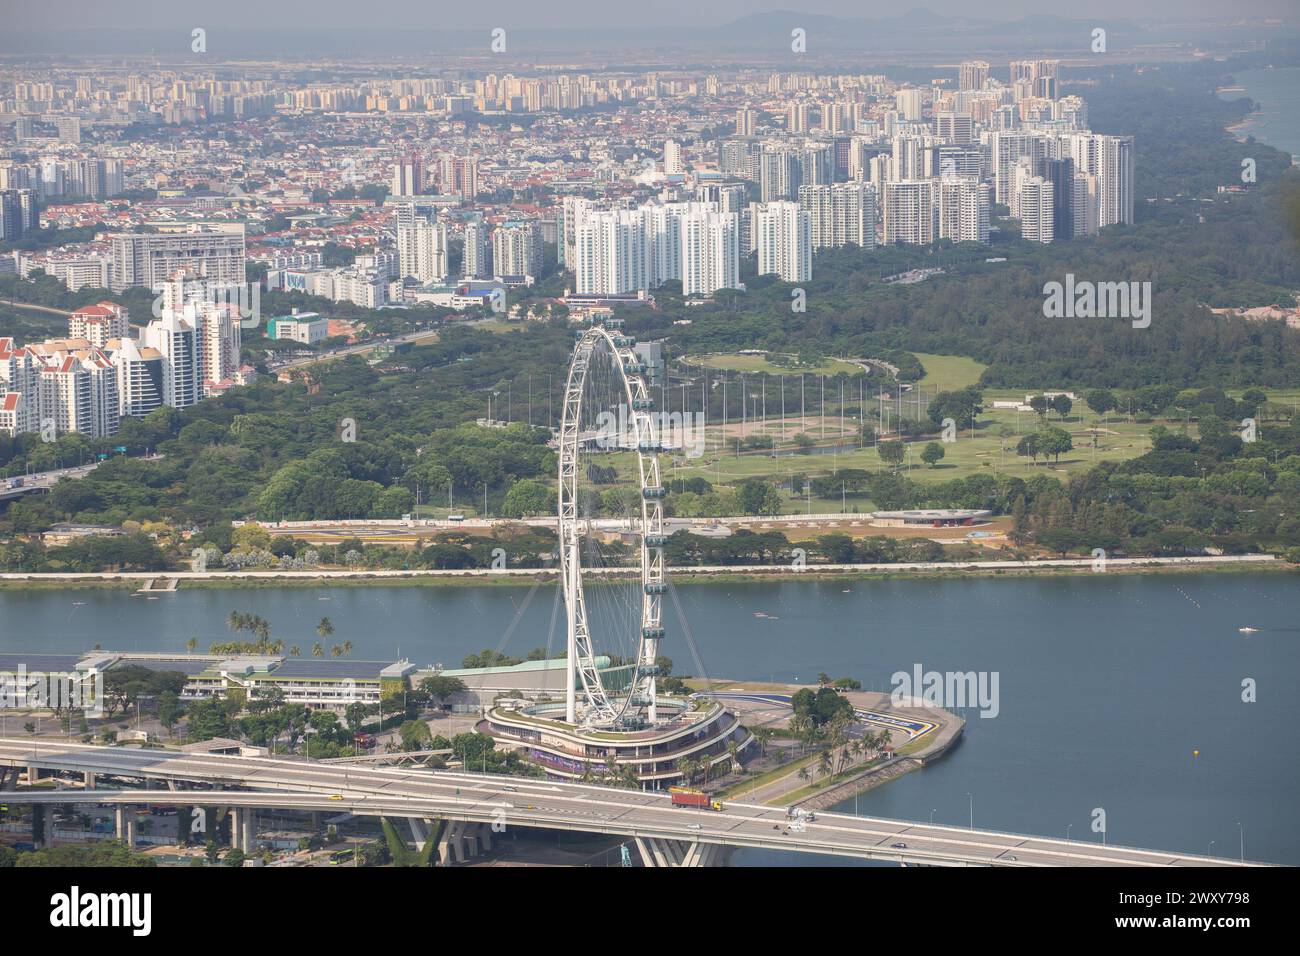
(610, 507)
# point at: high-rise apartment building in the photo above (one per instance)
(176, 342)
(474, 256)
(911, 211)
(99, 323)
(963, 209)
(710, 249)
(840, 214)
(422, 250)
(517, 249)
(783, 236)
(408, 177)
(1035, 208)
(973, 75)
(151, 259)
(18, 215)
(612, 253)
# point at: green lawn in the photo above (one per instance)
(760, 363)
(947, 373)
(989, 451)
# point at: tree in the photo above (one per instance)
(932, 453)
(528, 498)
(1040, 404)
(415, 735)
(325, 628)
(439, 688)
(1101, 401)
(1019, 519)
(757, 497)
(1029, 447)
(1054, 441)
(1061, 404)
(892, 452)
(169, 710)
(961, 406)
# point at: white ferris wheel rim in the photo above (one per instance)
(600, 707)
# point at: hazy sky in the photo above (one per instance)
(429, 14)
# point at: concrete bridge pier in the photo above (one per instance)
(458, 841)
(33, 776)
(471, 837)
(447, 842)
(680, 853)
(88, 779)
(124, 821)
(243, 828)
(248, 831)
(8, 778)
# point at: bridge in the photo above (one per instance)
(42, 480)
(474, 805)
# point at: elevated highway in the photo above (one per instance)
(648, 818)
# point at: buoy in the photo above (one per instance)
(1196, 753)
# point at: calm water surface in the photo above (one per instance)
(1108, 683)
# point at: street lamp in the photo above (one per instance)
(972, 809)
(1241, 831)
(932, 816)
(1209, 847)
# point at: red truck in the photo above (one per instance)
(697, 799)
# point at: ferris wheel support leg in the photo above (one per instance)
(571, 657)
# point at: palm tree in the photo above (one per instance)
(347, 648)
(317, 650)
(295, 651)
(687, 767)
(824, 763)
(191, 644)
(733, 752)
(335, 651)
(325, 628)
(804, 774)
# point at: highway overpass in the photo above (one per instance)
(663, 833)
